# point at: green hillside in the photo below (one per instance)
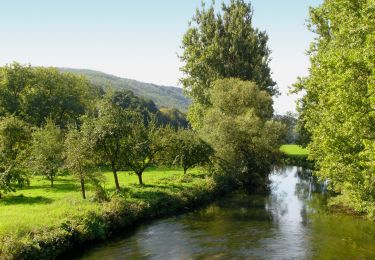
(163, 96)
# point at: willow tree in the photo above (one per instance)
(338, 108)
(240, 128)
(223, 45)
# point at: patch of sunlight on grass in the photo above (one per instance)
(292, 149)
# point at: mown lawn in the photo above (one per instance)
(292, 149)
(39, 205)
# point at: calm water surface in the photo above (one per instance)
(291, 222)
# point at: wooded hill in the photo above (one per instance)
(163, 96)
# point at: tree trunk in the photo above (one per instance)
(140, 178)
(0, 195)
(83, 188)
(115, 176)
(51, 179)
(185, 170)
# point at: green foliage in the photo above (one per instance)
(14, 79)
(46, 151)
(220, 46)
(296, 155)
(147, 108)
(144, 143)
(79, 156)
(290, 122)
(304, 136)
(337, 108)
(127, 100)
(240, 128)
(15, 137)
(187, 150)
(35, 94)
(110, 131)
(172, 117)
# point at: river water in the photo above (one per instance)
(292, 222)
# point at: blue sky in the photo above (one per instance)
(140, 39)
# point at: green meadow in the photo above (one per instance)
(294, 150)
(39, 206)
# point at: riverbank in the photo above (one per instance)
(292, 221)
(350, 205)
(295, 155)
(42, 223)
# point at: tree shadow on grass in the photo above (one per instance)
(68, 187)
(57, 188)
(151, 195)
(170, 187)
(124, 191)
(20, 199)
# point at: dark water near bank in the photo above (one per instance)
(289, 223)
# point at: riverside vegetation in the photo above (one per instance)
(65, 143)
(57, 130)
(40, 222)
(296, 155)
(336, 114)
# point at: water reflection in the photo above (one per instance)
(291, 222)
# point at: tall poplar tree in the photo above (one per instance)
(223, 45)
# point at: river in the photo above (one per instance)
(292, 222)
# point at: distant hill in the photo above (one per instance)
(163, 96)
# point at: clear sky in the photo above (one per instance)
(140, 39)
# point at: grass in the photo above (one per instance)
(294, 150)
(39, 206)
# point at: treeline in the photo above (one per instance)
(292, 135)
(54, 123)
(337, 113)
(163, 96)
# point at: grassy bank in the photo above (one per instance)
(294, 150)
(41, 222)
(295, 155)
